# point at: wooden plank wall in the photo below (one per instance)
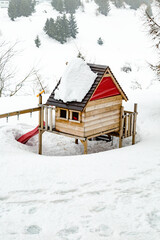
(67, 126)
(102, 115)
(98, 116)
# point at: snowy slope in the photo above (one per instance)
(110, 194)
(125, 42)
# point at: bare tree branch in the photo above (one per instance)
(154, 31)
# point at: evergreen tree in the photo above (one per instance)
(100, 41)
(65, 27)
(73, 29)
(104, 7)
(18, 8)
(60, 34)
(13, 9)
(58, 5)
(70, 6)
(61, 29)
(118, 3)
(50, 28)
(46, 27)
(137, 3)
(134, 4)
(37, 42)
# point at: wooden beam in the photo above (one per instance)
(125, 123)
(46, 118)
(40, 125)
(84, 142)
(66, 134)
(117, 85)
(50, 120)
(129, 125)
(40, 142)
(103, 121)
(121, 126)
(104, 100)
(10, 114)
(103, 105)
(42, 116)
(40, 102)
(107, 128)
(103, 132)
(101, 115)
(134, 124)
(101, 110)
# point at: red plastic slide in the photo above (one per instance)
(24, 138)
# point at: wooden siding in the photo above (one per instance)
(99, 116)
(102, 115)
(68, 126)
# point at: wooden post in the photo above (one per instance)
(40, 102)
(46, 118)
(40, 126)
(125, 124)
(129, 125)
(50, 120)
(134, 124)
(42, 116)
(84, 142)
(76, 141)
(40, 142)
(121, 126)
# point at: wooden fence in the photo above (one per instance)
(17, 113)
(128, 124)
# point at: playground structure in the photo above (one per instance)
(100, 112)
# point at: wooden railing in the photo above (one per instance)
(128, 124)
(17, 113)
(47, 117)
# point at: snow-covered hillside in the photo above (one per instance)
(109, 194)
(125, 43)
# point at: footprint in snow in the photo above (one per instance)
(102, 230)
(4, 198)
(33, 229)
(68, 231)
(98, 209)
(154, 220)
(32, 210)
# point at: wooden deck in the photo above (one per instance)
(114, 130)
(125, 127)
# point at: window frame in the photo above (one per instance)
(71, 114)
(59, 114)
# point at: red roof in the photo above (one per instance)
(106, 88)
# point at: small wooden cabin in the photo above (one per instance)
(98, 112)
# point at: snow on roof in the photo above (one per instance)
(76, 81)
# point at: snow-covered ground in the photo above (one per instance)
(111, 193)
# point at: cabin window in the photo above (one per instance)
(63, 113)
(74, 116)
